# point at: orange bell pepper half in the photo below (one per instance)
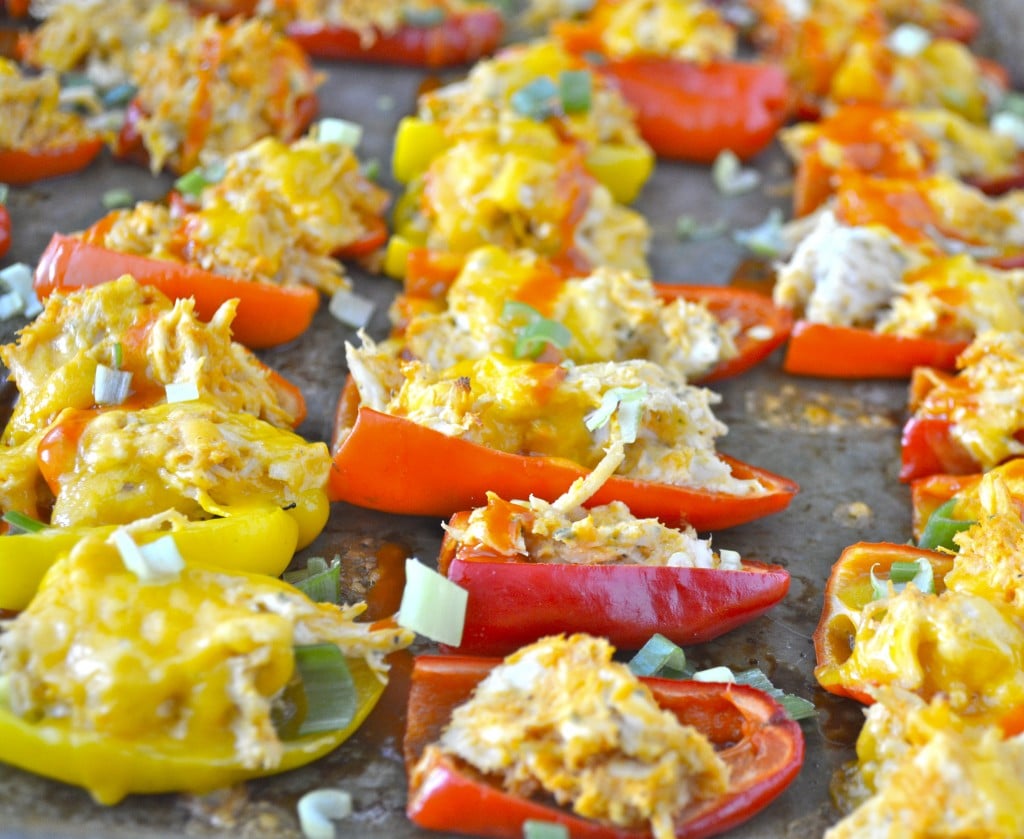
(694, 112)
(513, 601)
(763, 748)
(844, 352)
(19, 167)
(267, 314)
(847, 592)
(391, 464)
(457, 39)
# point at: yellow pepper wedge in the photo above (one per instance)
(111, 768)
(262, 540)
(623, 169)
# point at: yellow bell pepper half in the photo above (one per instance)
(261, 540)
(111, 768)
(623, 169)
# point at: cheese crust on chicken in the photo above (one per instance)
(370, 18)
(559, 716)
(538, 409)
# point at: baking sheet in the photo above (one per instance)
(839, 440)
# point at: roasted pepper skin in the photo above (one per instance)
(261, 540)
(110, 767)
(513, 601)
(19, 167)
(847, 591)
(845, 352)
(764, 750)
(458, 39)
(392, 464)
(267, 314)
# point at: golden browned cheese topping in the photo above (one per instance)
(367, 17)
(32, 118)
(210, 653)
(559, 716)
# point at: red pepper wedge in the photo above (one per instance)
(458, 39)
(5, 230)
(763, 748)
(267, 314)
(513, 602)
(19, 167)
(391, 464)
(849, 590)
(694, 112)
(845, 352)
(15, 8)
(763, 326)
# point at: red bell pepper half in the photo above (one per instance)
(267, 314)
(457, 39)
(847, 592)
(694, 112)
(513, 602)
(391, 464)
(5, 230)
(763, 748)
(19, 167)
(844, 352)
(927, 445)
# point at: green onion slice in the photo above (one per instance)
(110, 386)
(689, 228)
(796, 707)
(537, 331)
(942, 527)
(919, 572)
(319, 809)
(729, 176)
(576, 90)
(628, 401)
(119, 95)
(339, 131)
(193, 183)
(537, 829)
(23, 523)
(766, 239)
(432, 605)
(658, 656)
(118, 355)
(156, 562)
(329, 689)
(537, 100)
(319, 581)
(5, 190)
(116, 199)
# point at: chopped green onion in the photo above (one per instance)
(432, 605)
(11, 304)
(942, 527)
(689, 228)
(319, 809)
(119, 95)
(75, 80)
(111, 387)
(714, 674)
(766, 239)
(423, 18)
(181, 392)
(919, 572)
(5, 190)
(656, 656)
(576, 90)
(341, 132)
(115, 199)
(1009, 125)
(118, 354)
(536, 100)
(328, 687)
(729, 176)
(193, 183)
(371, 169)
(1012, 103)
(18, 278)
(537, 332)
(908, 39)
(351, 309)
(537, 829)
(157, 562)
(22, 522)
(628, 401)
(796, 707)
(319, 581)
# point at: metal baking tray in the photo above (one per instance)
(839, 440)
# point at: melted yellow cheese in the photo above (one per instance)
(33, 120)
(686, 30)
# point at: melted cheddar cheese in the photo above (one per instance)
(210, 653)
(531, 408)
(33, 120)
(370, 18)
(560, 716)
(685, 30)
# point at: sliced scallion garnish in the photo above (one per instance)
(537, 829)
(537, 100)
(119, 95)
(576, 90)
(341, 132)
(536, 332)
(908, 39)
(351, 309)
(729, 176)
(118, 355)
(766, 239)
(628, 401)
(18, 278)
(371, 169)
(181, 392)
(796, 707)
(110, 386)
(319, 809)
(689, 228)
(193, 183)
(157, 562)
(319, 581)
(116, 199)
(919, 572)
(714, 674)
(5, 190)
(432, 605)
(942, 527)
(23, 523)
(657, 656)
(328, 687)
